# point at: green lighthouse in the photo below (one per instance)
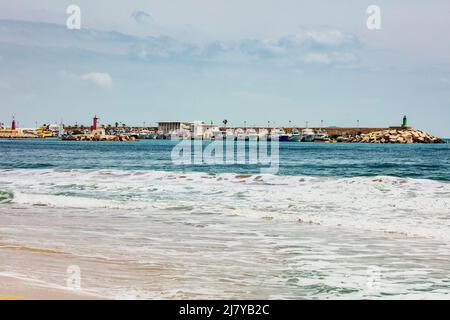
(405, 122)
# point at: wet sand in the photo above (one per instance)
(16, 289)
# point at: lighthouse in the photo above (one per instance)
(13, 125)
(94, 123)
(405, 122)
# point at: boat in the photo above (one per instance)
(175, 135)
(146, 135)
(239, 134)
(280, 133)
(308, 135)
(160, 135)
(217, 134)
(321, 136)
(45, 133)
(251, 135)
(295, 136)
(229, 134)
(263, 135)
(180, 134)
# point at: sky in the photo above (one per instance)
(256, 61)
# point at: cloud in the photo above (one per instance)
(99, 78)
(324, 46)
(140, 16)
(303, 40)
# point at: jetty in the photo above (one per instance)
(97, 134)
(399, 135)
(16, 134)
(98, 137)
(403, 134)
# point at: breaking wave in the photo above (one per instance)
(402, 206)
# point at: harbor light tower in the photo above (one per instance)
(405, 122)
(13, 125)
(94, 123)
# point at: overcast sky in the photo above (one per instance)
(252, 60)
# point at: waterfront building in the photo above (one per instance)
(201, 130)
(170, 126)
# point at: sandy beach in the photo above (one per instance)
(16, 289)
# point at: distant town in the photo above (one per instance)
(199, 130)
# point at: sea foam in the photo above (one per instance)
(401, 206)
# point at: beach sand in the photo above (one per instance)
(16, 289)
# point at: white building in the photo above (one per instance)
(170, 126)
(201, 130)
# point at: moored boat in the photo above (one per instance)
(280, 134)
(321, 136)
(295, 136)
(251, 135)
(308, 135)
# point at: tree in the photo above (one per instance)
(225, 123)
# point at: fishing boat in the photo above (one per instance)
(295, 136)
(308, 135)
(280, 134)
(321, 136)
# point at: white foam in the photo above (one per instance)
(403, 206)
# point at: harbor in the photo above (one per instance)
(199, 130)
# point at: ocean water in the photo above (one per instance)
(337, 221)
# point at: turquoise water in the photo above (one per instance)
(338, 221)
(311, 159)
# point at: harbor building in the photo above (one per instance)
(201, 130)
(170, 126)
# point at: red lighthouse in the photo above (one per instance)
(94, 123)
(13, 125)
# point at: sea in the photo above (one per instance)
(336, 221)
